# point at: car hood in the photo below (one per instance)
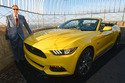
(55, 38)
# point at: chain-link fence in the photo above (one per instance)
(37, 20)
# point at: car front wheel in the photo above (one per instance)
(84, 62)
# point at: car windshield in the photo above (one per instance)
(80, 24)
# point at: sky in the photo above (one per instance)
(66, 6)
(73, 6)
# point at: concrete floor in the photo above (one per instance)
(12, 74)
(110, 68)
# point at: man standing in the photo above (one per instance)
(14, 32)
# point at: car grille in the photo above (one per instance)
(35, 51)
(37, 63)
(57, 69)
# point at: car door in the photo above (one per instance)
(100, 42)
(103, 41)
(108, 38)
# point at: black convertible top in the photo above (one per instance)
(108, 24)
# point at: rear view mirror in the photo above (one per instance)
(107, 28)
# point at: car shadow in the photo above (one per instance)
(35, 77)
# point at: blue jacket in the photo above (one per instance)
(13, 31)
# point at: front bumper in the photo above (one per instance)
(53, 65)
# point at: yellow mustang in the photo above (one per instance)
(72, 47)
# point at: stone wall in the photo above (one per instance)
(5, 50)
(6, 55)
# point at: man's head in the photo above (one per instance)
(15, 9)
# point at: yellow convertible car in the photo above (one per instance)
(72, 47)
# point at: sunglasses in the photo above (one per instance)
(15, 9)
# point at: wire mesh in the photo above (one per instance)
(50, 13)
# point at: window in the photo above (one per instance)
(81, 24)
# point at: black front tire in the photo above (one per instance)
(84, 62)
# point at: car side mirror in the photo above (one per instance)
(107, 28)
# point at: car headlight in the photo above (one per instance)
(63, 51)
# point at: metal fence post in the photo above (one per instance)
(123, 17)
